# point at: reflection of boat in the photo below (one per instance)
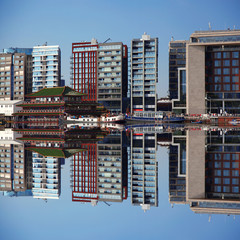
(156, 117)
(104, 118)
(95, 125)
(196, 122)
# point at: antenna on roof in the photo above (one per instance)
(209, 26)
(107, 40)
(172, 38)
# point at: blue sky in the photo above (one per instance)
(27, 23)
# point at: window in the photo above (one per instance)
(226, 54)
(235, 173)
(226, 181)
(235, 79)
(235, 63)
(226, 63)
(226, 71)
(235, 54)
(217, 63)
(235, 71)
(226, 79)
(226, 164)
(235, 87)
(235, 164)
(217, 180)
(226, 173)
(217, 71)
(217, 79)
(217, 55)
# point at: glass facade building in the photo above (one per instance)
(177, 75)
(46, 67)
(144, 74)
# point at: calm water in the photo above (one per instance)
(114, 182)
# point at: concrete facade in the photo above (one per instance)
(195, 171)
(195, 79)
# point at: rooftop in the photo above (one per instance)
(56, 91)
(52, 152)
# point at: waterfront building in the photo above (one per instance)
(99, 70)
(213, 72)
(144, 74)
(54, 104)
(144, 170)
(46, 67)
(177, 75)
(15, 73)
(209, 81)
(113, 76)
(84, 69)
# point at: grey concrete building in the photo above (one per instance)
(15, 73)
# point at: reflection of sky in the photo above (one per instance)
(28, 218)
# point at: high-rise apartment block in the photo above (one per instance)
(84, 69)
(15, 73)
(46, 67)
(100, 71)
(144, 74)
(212, 73)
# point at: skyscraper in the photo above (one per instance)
(46, 67)
(144, 74)
(100, 71)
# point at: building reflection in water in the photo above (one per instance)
(177, 168)
(15, 165)
(144, 167)
(108, 165)
(100, 172)
(213, 172)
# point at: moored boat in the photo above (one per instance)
(154, 117)
(106, 118)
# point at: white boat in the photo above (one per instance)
(104, 119)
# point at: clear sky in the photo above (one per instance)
(27, 23)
